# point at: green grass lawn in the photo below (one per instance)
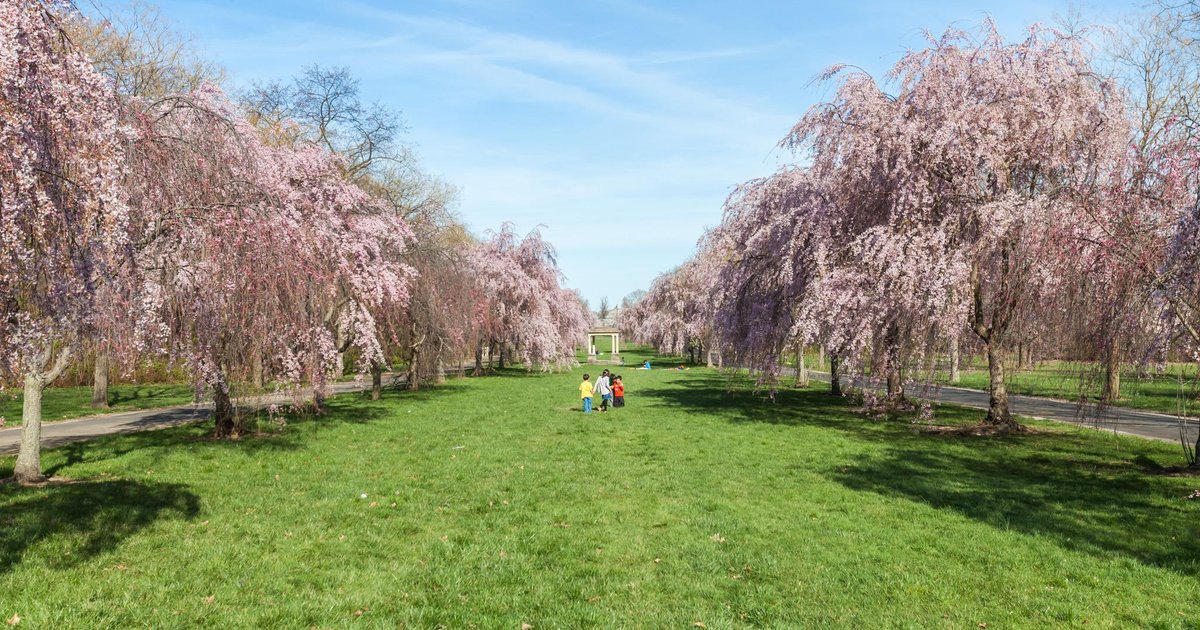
(74, 402)
(493, 502)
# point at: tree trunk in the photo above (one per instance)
(820, 357)
(479, 359)
(441, 376)
(955, 360)
(801, 369)
(500, 354)
(413, 375)
(29, 457)
(710, 358)
(895, 385)
(1112, 372)
(318, 399)
(257, 370)
(894, 388)
(28, 468)
(224, 420)
(998, 411)
(835, 379)
(100, 381)
(376, 380)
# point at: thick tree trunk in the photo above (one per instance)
(376, 380)
(998, 411)
(28, 468)
(29, 457)
(820, 357)
(100, 381)
(1112, 372)
(224, 417)
(710, 358)
(835, 379)
(955, 360)
(479, 359)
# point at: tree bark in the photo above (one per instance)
(820, 357)
(224, 418)
(998, 410)
(801, 369)
(1112, 372)
(835, 379)
(29, 459)
(955, 360)
(895, 384)
(100, 381)
(257, 370)
(28, 468)
(479, 359)
(894, 388)
(376, 380)
(710, 358)
(414, 373)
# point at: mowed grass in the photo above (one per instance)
(493, 502)
(60, 403)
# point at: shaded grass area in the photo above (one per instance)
(493, 502)
(59, 403)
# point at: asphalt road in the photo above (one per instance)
(1148, 424)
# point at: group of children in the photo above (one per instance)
(608, 386)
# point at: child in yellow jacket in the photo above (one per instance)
(585, 392)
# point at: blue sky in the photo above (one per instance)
(619, 126)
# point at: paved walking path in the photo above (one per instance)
(1147, 424)
(67, 431)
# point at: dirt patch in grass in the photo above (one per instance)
(48, 482)
(982, 430)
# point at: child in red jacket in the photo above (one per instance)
(618, 392)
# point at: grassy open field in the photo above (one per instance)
(74, 402)
(493, 502)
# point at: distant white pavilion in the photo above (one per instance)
(612, 333)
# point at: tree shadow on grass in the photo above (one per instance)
(1074, 488)
(1101, 507)
(734, 396)
(84, 519)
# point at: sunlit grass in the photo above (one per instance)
(492, 502)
